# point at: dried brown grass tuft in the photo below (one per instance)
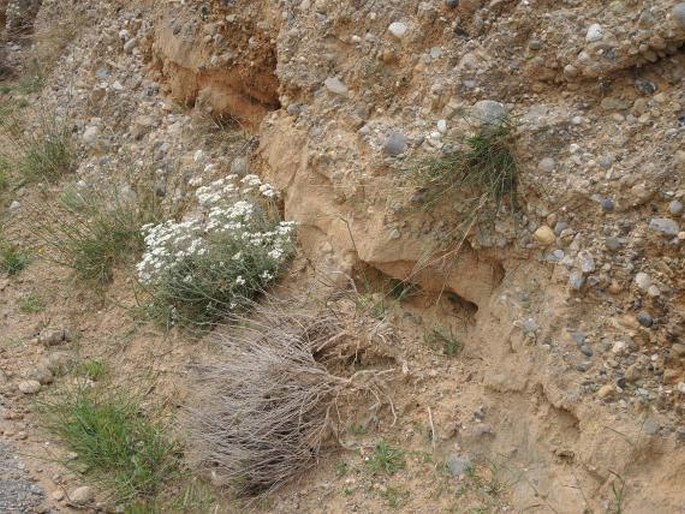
(265, 412)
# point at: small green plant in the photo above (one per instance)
(93, 369)
(483, 174)
(618, 487)
(357, 429)
(342, 468)
(32, 304)
(386, 459)
(448, 343)
(115, 443)
(401, 290)
(95, 230)
(12, 259)
(395, 497)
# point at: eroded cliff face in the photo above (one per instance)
(570, 306)
(352, 97)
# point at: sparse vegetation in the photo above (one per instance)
(447, 343)
(32, 304)
(395, 497)
(117, 445)
(40, 152)
(386, 459)
(483, 174)
(94, 230)
(12, 259)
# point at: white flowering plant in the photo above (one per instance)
(218, 260)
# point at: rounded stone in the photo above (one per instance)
(607, 205)
(547, 164)
(398, 29)
(82, 495)
(544, 235)
(452, 3)
(594, 33)
(675, 207)
(396, 144)
(645, 319)
(29, 386)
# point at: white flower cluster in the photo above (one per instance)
(230, 213)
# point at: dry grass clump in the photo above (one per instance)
(267, 409)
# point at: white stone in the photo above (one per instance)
(442, 126)
(335, 86)
(642, 281)
(398, 29)
(594, 33)
(90, 135)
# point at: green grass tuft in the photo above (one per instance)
(482, 174)
(12, 260)
(386, 459)
(118, 446)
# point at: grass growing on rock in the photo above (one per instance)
(127, 452)
(482, 173)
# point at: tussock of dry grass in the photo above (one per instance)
(264, 413)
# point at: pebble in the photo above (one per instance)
(594, 33)
(396, 144)
(576, 280)
(607, 205)
(619, 347)
(457, 466)
(335, 86)
(442, 126)
(586, 350)
(679, 14)
(82, 495)
(583, 366)
(547, 165)
(651, 426)
(14, 206)
(606, 391)
(452, 3)
(90, 135)
(675, 207)
(57, 495)
(586, 261)
(642, 281)
(489, 112)
(29, 386)
(560, 227)
(239, 166)
(665, 226)
(130, 45)
(398, 29)
(645, 319)
(653, 291)
(544, 235)
(678, 349)
(42, 375)
(53, 337)
(613, 243)
(633, 373)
